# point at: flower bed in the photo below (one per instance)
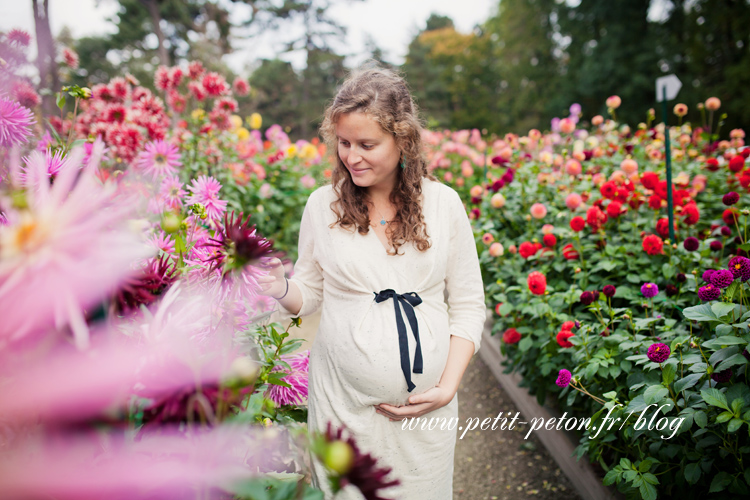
(597, 307)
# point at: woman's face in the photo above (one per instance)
(369, 153)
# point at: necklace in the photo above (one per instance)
(382, 219)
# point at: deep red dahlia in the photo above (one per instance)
(649, 180)
(577, 224)
(511, 336)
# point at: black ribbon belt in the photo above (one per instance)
(409, 300)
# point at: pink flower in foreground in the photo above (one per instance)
(15, 123)
(159, 158)
(206, 191)
(63, 253)
(159, 466)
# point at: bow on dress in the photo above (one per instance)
(409, 301)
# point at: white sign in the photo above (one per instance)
(673, 85)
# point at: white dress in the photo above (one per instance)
(355, 359)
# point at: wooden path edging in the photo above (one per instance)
(559, 444)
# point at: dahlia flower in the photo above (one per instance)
(563, 378)
(562, 338)
(740, 267)
(205, 190)
(363, 472)
(658, 352)
(63, 253)
(511, 336)
(159, 158)
(708, 293)
(730, 198)
(296, 378)
(691, 243)
(649, 290)
(537, 283)
(15, 123)
(722, 278)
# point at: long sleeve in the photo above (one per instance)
(467, 310)
(307, 274)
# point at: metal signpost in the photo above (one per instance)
(667, 88)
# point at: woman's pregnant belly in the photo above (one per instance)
(360, 351)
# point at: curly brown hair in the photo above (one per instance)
(383, 95)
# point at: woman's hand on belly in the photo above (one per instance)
(418, 405)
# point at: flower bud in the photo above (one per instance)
(339, 457)
(170, 223)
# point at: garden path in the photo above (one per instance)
(490, 465)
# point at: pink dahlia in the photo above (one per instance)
(19, 37)
(241, 87)
(215, 84)
(64, 253)
(15, 123)
(171, 192)
(71, 58)
(25, 94)
(159, 158)
(296, 378)
(206, 191)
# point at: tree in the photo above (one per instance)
(49, 82)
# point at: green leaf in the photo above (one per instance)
(668, 374)
(732, 290)
(60, 100)
(701, 312)
(700, 418)
(687, 382)
(655, 393)
(611, 476)
(715, 397)
(722, 309)
(667, 270)
(737, 405)
(724, 417)
(525, 344)
(737, 359)
(724, 340)
(692, 472)
(650, 478)
(734, 424)
(645, 465)
(720, 482)
(648, 491)
(179, 244)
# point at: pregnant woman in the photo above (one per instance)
(378, 247)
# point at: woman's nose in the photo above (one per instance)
(353, 157)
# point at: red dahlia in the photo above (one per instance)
(537, 283)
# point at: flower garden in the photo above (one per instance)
(136, 349)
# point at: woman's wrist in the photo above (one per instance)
(285, 292)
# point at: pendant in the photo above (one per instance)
(382, 222)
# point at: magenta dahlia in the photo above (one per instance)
(296, 378)
(740, 267)
(649, 290)
(708, 293)
(722, 278)
(658, 353)
(563, 378)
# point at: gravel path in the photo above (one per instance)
(500, 464)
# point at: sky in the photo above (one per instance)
(391, 23)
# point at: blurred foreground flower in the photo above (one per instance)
(63, 252)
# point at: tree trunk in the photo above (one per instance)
(153, 9)
(45, 60)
